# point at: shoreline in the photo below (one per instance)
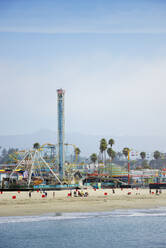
(96, 201)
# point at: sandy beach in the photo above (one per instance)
(99, 200)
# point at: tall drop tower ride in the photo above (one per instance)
(60, 103)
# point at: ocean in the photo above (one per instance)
(116, 229)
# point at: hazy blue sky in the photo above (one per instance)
(109, 56)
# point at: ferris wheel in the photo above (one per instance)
(40, 165)
(37, 165)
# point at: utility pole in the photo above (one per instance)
(128, 166)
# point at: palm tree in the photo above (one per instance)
(93, 158)
(143, 155)
(111, 142)
(111, 153)
(156, 155)
(36, 145)
(126, 151)
(103, 148)
(77, 153)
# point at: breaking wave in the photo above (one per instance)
(68, 216)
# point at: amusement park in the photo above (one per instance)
(58, 166)
(44, 166)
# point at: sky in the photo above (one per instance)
(109, 56)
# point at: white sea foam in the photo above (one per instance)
(17, 219)
(68, 216)
(139, 212)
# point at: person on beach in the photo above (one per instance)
(86, 194)
(75, 193)
(29, 194)
(157, 192)
(54, 194)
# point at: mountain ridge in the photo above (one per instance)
(86, 142)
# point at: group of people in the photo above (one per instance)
(43, 192)
(158, 191)
(78, 193)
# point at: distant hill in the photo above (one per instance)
(87, 143)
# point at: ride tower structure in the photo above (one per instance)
(60, 104)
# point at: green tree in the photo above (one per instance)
(77, 152)
(156, 155)
(7, 155)
(111, 142)
(93, 158)
(36, 145)
(125, 151)
(111, 153)
(143, 155)
(103, 148)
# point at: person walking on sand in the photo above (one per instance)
(29, 194)
(54, 194)
(75, 193)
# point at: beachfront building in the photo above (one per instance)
(144, 176)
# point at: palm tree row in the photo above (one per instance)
(107, 147)
(156, 155)
(111, 153)
(104, 146)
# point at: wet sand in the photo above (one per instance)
(96, 201)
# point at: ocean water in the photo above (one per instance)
(116, 229)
